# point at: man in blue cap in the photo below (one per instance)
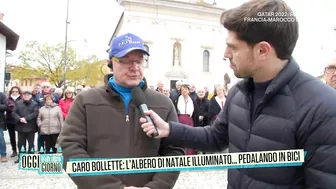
(104, 123)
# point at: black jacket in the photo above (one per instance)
(214, 109)
(174, 94)
(30, 112)
(203, 106)
(3, 109)
(39, 99)
(297, 112)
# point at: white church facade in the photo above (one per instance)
(184, 38)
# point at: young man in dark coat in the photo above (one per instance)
(275, 107)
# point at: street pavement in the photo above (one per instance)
(12, 178)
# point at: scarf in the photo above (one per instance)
(185, 107)
(15, 97)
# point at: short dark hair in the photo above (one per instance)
(49, 96)
(15, 87)
(184, 86)
(282, 35)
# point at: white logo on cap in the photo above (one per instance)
(128, 40)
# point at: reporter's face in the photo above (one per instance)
(240, 55)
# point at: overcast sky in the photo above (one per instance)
(95, 20)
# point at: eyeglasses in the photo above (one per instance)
(140, 61)
(15, 91)
(330, 70)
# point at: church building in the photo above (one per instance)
(184, 38)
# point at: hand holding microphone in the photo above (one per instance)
(160, 125)
(151, 123)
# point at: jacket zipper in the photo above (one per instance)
(253, 116)
(127, 116)
(249, 103)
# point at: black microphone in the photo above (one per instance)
(138, 97)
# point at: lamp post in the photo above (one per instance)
(66, 45)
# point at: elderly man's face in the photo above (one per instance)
(178, 86)
(36, 91)
(201, 93)
(330, 74)
(59, 93)
(46, 89)
(128, 70)
(206, 89)
(160, 85)
(192, 88)
(27, 96)
(166, 92)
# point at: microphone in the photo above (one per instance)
(138, 97)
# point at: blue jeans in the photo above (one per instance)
(2, 143)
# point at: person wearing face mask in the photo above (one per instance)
(25, 113)
(49, 122)
(15, 95)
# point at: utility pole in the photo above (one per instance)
(66, 45)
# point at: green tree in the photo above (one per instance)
(47, 61)
(90, 71)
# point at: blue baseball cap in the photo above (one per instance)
(126, 43)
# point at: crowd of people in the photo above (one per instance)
(27, 112)
(195, 106)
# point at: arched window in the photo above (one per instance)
(146, 57)
(206, 57)
(177, 54)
